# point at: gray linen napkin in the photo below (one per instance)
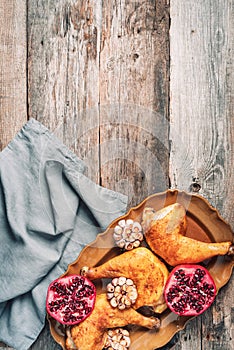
(48, 212)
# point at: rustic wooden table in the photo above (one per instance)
(143, 92)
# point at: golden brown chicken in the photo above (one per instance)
(164, 232)
(91, 334)
(140, 265)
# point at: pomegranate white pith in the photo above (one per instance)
(190, 290)
(70, 299)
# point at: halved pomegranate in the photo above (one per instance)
(70, 299)
(190, 290)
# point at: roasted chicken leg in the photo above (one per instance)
(144, 268)
(91, 333)
(164, 232)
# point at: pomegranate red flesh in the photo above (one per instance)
(190, 290)
(70, 299)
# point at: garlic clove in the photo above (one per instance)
(124, 288)
(133, 296)
(109, 295)
(129, 282)
(127, 302)
(122, 280)
(136, 227)
(115, 281)
(118, 230)
(125, 332)
(129, 222)
(121, 306)
(137, 236)
(117, 288)
(115, 337)
(136, 244)
(122, 223)
(121, 347)
(113, 302)
(118, 298)
(121, 243)
(117, 237)
(110, 287)
(127, 341)
(129, 246)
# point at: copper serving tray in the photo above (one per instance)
(204, 223)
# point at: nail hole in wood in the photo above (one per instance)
(135, 56)
(195, 187)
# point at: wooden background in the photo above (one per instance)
(143, 92)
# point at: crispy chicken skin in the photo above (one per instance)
(164, 232)
(91, 333)
(144, 268)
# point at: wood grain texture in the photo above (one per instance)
(201, 97)
(134, 97)
(201, 132)
(13, 57)
(98, 76)
(63, 73)
(84, 58)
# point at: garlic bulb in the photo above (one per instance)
(121, 292)
(128, 234)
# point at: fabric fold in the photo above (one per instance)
(49, 210)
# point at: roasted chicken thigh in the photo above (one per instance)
(91, 334)
(144, 268)
(164, 232)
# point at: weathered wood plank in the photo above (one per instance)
(98, 76)
(201, 131)
(81, 131)
(63, 90)
(134, 90)
(63, 73)
(47, 61)
(13, 57)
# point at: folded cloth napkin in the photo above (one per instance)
(49, 210)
